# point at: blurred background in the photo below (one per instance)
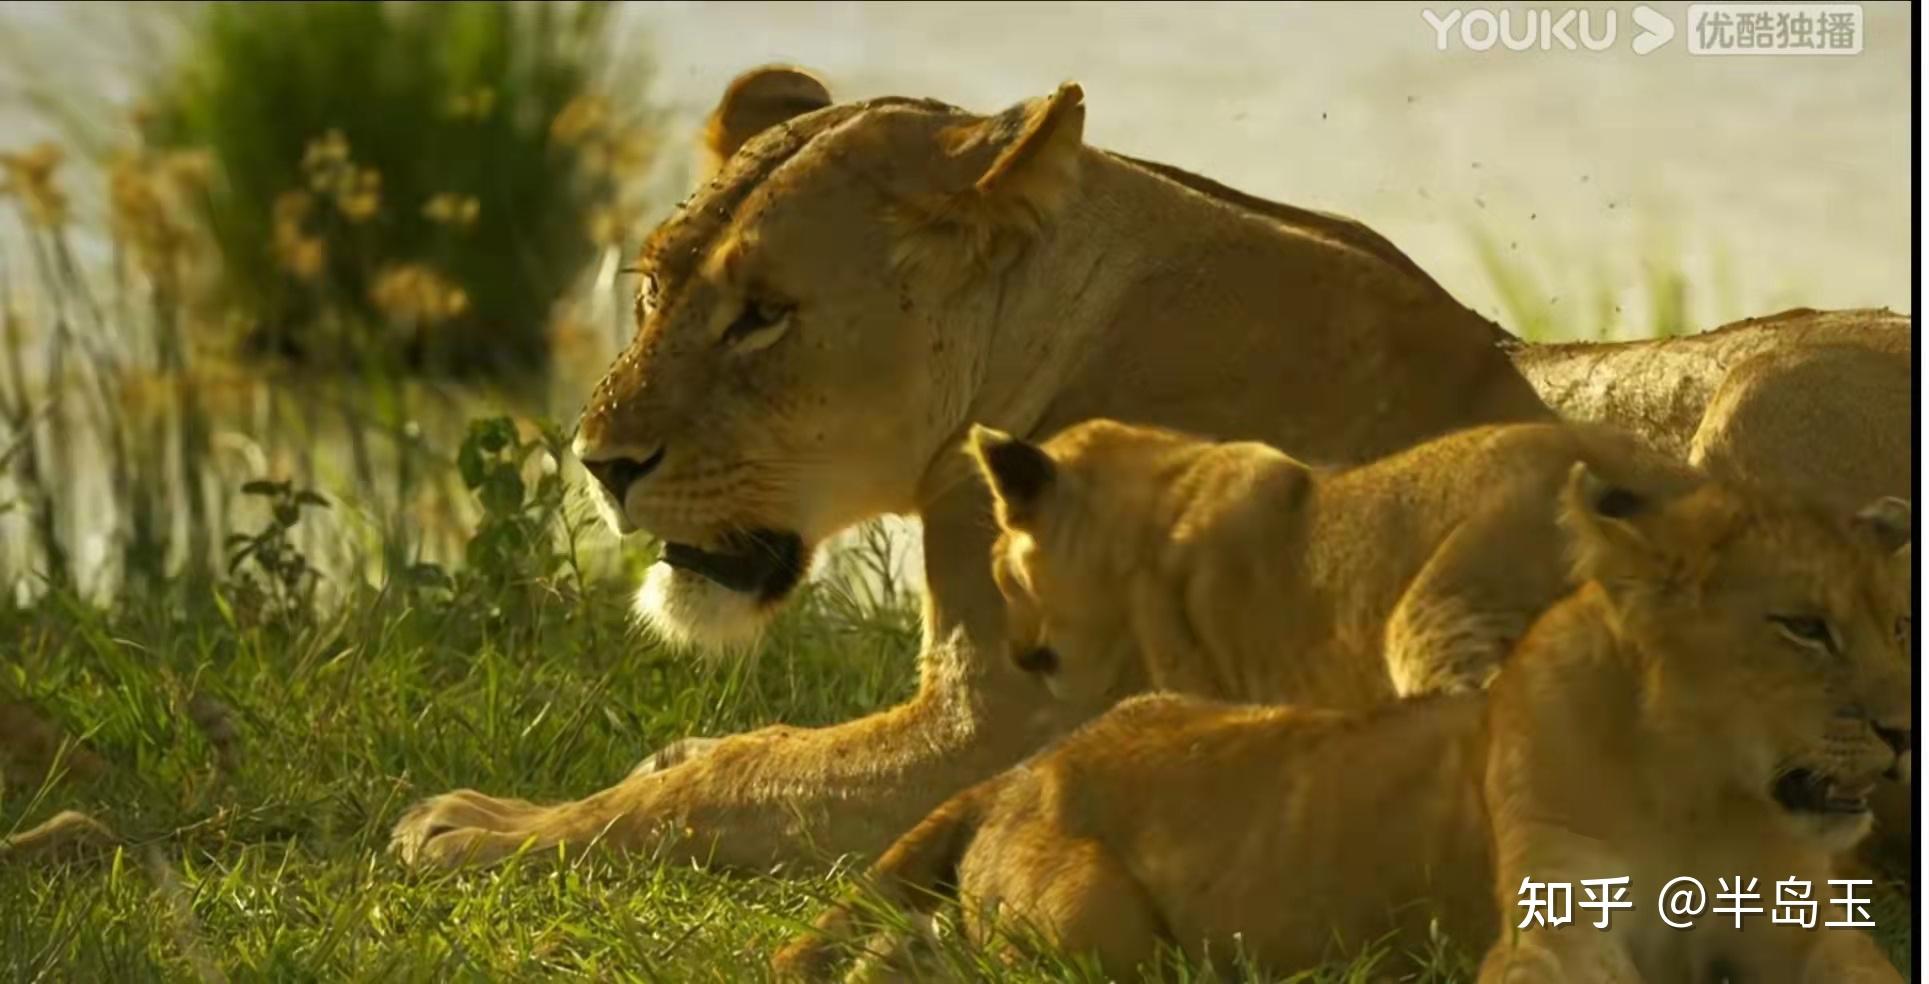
(249, 252)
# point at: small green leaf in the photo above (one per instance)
(501, 492)
(469, 462)
(492, 434)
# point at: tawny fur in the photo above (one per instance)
(1639, 730)
(1082, 284)
(986, 268)
(1773, 399)
(1154, 560)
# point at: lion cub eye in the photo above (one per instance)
(760, 323)
(1806, 630)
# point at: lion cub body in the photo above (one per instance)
(1714, 700)
(1155, 560)
(1162, 822)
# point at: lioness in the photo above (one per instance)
(1713, 701)
(816, 326)
(1153, 559)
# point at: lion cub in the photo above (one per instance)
(1139, 559)
(1713, 701)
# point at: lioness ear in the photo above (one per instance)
(1036, 147)
(1891, 521)
(754, 102)
(1019, 474)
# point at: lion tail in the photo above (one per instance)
(917, 874)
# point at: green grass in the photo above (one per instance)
(274, 867)
(267, 860)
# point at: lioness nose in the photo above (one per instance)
(618, 473)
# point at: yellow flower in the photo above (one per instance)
(325, 153)
(450, 209)
(331, 170)
(189, 169)
(303, 255)
(142, 221)
(411, 293)
(580, 117)
(359, 197)
(473, 105)
(30, 177)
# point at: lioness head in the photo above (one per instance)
(1774, 634)
(811, 328)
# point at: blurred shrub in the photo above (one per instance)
(403, 186)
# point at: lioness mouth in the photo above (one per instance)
(1807, 791)
(765, 563)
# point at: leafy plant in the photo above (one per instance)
(515, 540)
(278, 581)
(406, 185)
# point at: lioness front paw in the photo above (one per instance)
(465, 828)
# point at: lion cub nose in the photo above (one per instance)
(618, 473)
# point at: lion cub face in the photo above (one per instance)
(1775, 634)
(1079, 517)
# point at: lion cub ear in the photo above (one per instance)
(1608, 527)
(1019, 474)
(754, 102)
(1890, 521)
(1036, 144)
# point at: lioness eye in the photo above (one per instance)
(757, 316)
(1806, 629)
